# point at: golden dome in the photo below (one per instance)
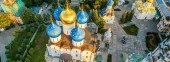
(9, 2)
(150, 1)
(68, 16)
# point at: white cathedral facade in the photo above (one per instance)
(144, 10)
(70, 40)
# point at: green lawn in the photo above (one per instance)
(39, 47)
(152, 40)
(17, 47)
(131, 30)
(39, 54)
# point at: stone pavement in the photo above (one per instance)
(5, 38)
(134, 44)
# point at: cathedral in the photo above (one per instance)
(108, 13)
(70, 39)
(144, 10)
(14, 8)
(161, 53)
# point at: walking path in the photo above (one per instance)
(134, 44)
(5, 38)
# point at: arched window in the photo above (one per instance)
(86, 56)
(76, 55)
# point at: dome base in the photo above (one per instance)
(82, 25)
(67, 28)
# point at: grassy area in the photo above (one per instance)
(152, 40)
(131, 30)
(16, 48)
(109, 58)
(38, 48)
(39, 54)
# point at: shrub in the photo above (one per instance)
(8, 60)
(109, 58)
(31, 51)
(152, 40)
(126, 2)
(20, 50)
(17, 55)
(126, 17)
(27, 60)
(131, 30)
(7, 47)
(117, 9)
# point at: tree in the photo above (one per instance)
(17, 56)
(31, 51)
(128, 15)
(28, 56)
(37, 2)
(116, 2)
(8, 60)
(5, 20)
(20, 50)
(27, 60)
(103, 4)
(124, 17)
(28, 3)
(27, 16)
(97, 4)
(95, 14)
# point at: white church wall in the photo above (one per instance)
(86, 55)
(67, 28)
(82, 25)
(55, 40)
(76, 54)
(80, 43)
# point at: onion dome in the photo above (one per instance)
(57, 13)
(68, 16)
(110, 2)
(53, 30)
(77, 34)
(15, 7)
(82, 17)
(150, 1)
(9, 2)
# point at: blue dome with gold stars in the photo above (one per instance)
(82, 17)
(57, 13)
(53, 30)
(77, 34)
(110, 2)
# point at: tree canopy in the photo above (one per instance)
(5, 20)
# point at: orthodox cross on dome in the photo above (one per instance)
(58, 3)
(150, 1)
(67, 4)
(82, 6)
(51, 19)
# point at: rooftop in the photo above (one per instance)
(163, 8)
(66, 42)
